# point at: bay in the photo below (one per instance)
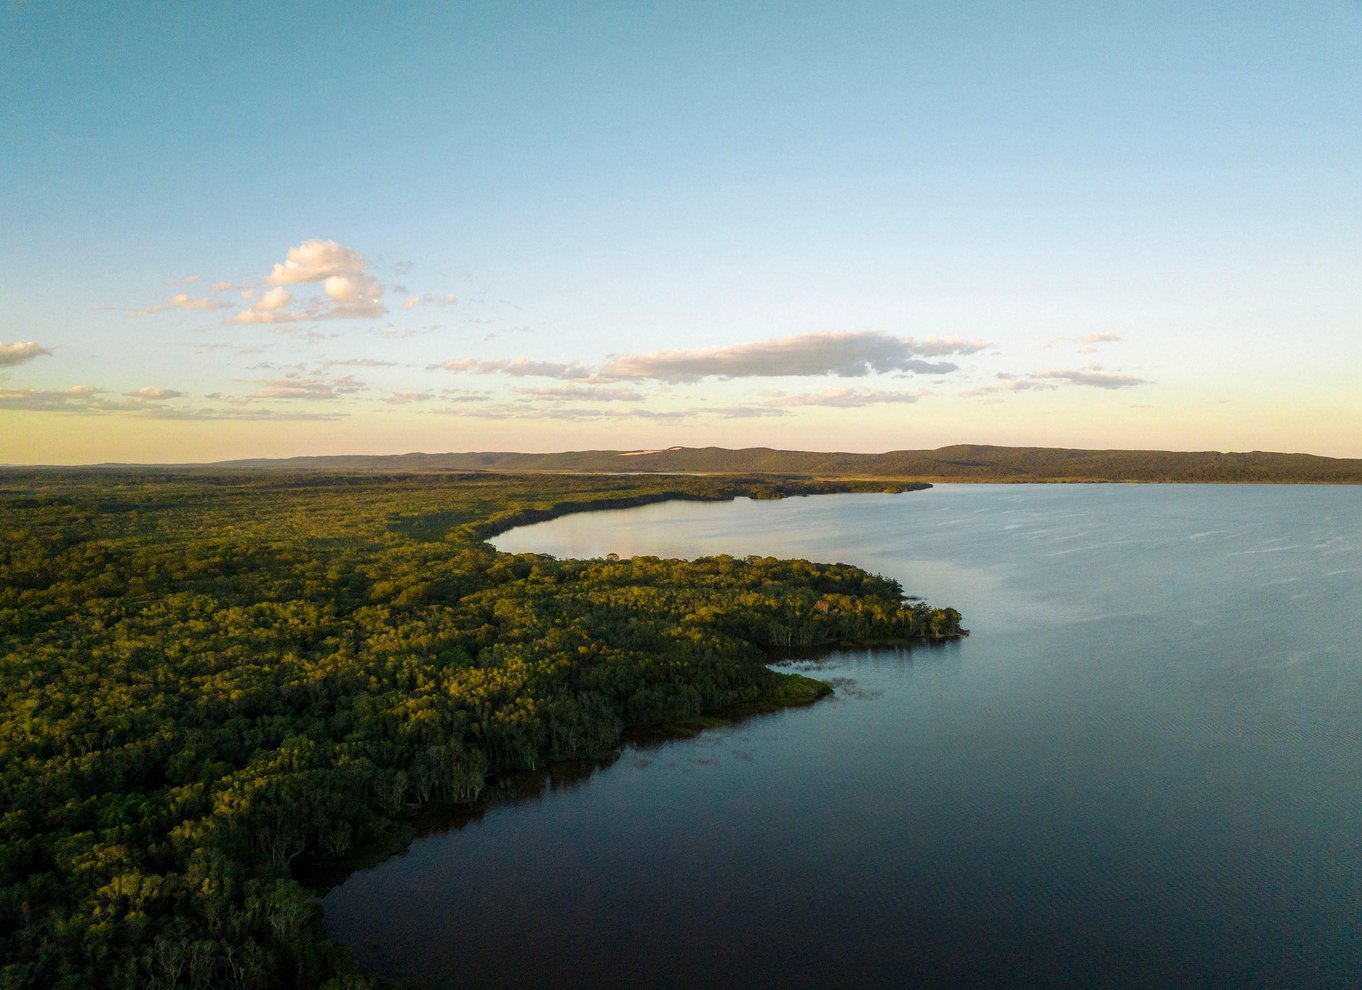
(1141, 768)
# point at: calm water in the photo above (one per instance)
(1144, 768)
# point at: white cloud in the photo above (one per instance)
(349, 291)
(275, 298)
(847, 354)
(222, 286)
(314, 261)
(19, 352)
(153, 394)
(184, 280)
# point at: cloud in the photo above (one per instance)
(240, 413)
(152, 394)
(744, 412)
(77, 398)
(275, 298)
(1104, 337)
(402, 398)
(20, 351)
(299, 387)
(1008, 382)
(847, 354)
(1093, 376)
(360, 363)
(179, 301)
(222, 286)
(348, 290)
(844, 353)
(937, 346)
(518, 368)
(525, 410)
(183, 280)
(582, 393)
(411, 302)
(844, 398)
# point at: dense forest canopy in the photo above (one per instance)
(210, 679)
(961, 462)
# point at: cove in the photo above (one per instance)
(1139, 769)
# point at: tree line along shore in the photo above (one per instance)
(210, 680)
(959, 462)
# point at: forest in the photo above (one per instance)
(210, 680)
(959, 462)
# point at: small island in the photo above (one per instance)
(212, 678)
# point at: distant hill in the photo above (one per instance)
(962, 462)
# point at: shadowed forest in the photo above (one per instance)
(211, 680)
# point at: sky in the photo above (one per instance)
(265, 230)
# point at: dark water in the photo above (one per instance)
(1143, 769)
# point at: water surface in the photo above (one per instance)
(1141, 769)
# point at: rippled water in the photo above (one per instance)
(1142, 769)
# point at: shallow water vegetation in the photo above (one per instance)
(207, 681)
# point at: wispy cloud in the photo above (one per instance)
(582, 393)
(1009, 383)
(349, 291)
(517, 368)
(153, 394)
(180, 301)
(360, 363)
(1088, 341)
(182, 280)
(846, 354)
(247, 413)
(843, 398)
(744, 412)
(295, 386)
(19, 352)
(404, 398)
(411, 302)
(1093, 376)
(77, 398)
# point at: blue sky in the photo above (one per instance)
(556, 226)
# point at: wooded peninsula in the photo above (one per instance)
(210, 679)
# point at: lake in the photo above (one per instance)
(1143, 768)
